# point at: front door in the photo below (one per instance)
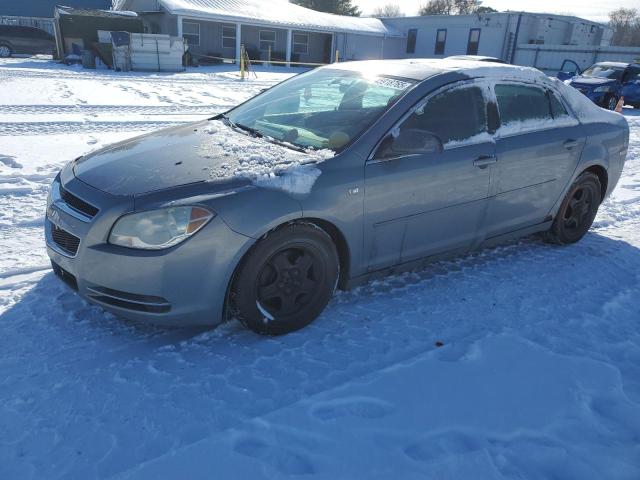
(538, 147)
(423, 204)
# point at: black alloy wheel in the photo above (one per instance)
(285, 281)
(577, 211)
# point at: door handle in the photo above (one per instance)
(483, 160)
(569, 144)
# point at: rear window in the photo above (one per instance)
(520, 103)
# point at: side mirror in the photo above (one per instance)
(410, 141)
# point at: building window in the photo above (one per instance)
(267, 39)
(474, 40)
(191, 33)
(228, 36)
(412, 36)
(300, 43)
(441, 39)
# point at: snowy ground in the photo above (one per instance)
(538, 376)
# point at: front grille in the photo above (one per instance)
(66, 241)
(77, 203)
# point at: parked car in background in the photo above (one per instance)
(15, 39)
(331, 178)
(605, 82)
(476, 58)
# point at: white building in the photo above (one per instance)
(490, 34)
(217, 28)
(288, 31)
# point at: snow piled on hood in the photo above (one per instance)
(266, 164)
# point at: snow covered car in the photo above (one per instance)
(605, 82)
(328, 179)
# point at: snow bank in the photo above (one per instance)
(267, 164)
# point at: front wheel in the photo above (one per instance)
(5, 51)
(286, 280)
(577, 211)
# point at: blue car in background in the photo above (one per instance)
(605, 82)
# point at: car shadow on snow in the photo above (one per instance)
(96, 380)
(521, 280)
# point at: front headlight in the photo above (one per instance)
(158, 229)
(603, 89)
(567, 81)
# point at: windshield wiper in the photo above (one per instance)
(240, 126)
(259, 134)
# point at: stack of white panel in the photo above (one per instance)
(147, 52)
(159, 53)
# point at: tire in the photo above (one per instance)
(611, 102)
(5, 50)
(577, 211)
(286, 280)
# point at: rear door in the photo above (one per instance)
(631, 85)
(423, 204)
(538, 146)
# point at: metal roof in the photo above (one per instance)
(279, 13)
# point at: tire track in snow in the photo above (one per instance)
(52, 128)
(113, 109)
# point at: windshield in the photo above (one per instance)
(320, 109)
(604, 71)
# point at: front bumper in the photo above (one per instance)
(599, 98)
(183, 285)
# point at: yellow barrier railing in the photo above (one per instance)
(245, 62)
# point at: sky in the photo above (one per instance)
(596, 10)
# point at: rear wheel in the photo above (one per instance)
(577, 211)
(286, 280)
(611, 102)
(5, 51)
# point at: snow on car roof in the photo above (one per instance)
(278, 12)
(421, 68)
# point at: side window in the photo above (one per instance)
(441, 115)
(633, 75)
(557, 108)
(519, 103)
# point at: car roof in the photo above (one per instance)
(423, 68)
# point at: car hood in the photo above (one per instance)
(591, 81)
(207, 151)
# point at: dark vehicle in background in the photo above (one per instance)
(15, 39)
(605, 82)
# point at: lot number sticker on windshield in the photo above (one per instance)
(392, 83)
